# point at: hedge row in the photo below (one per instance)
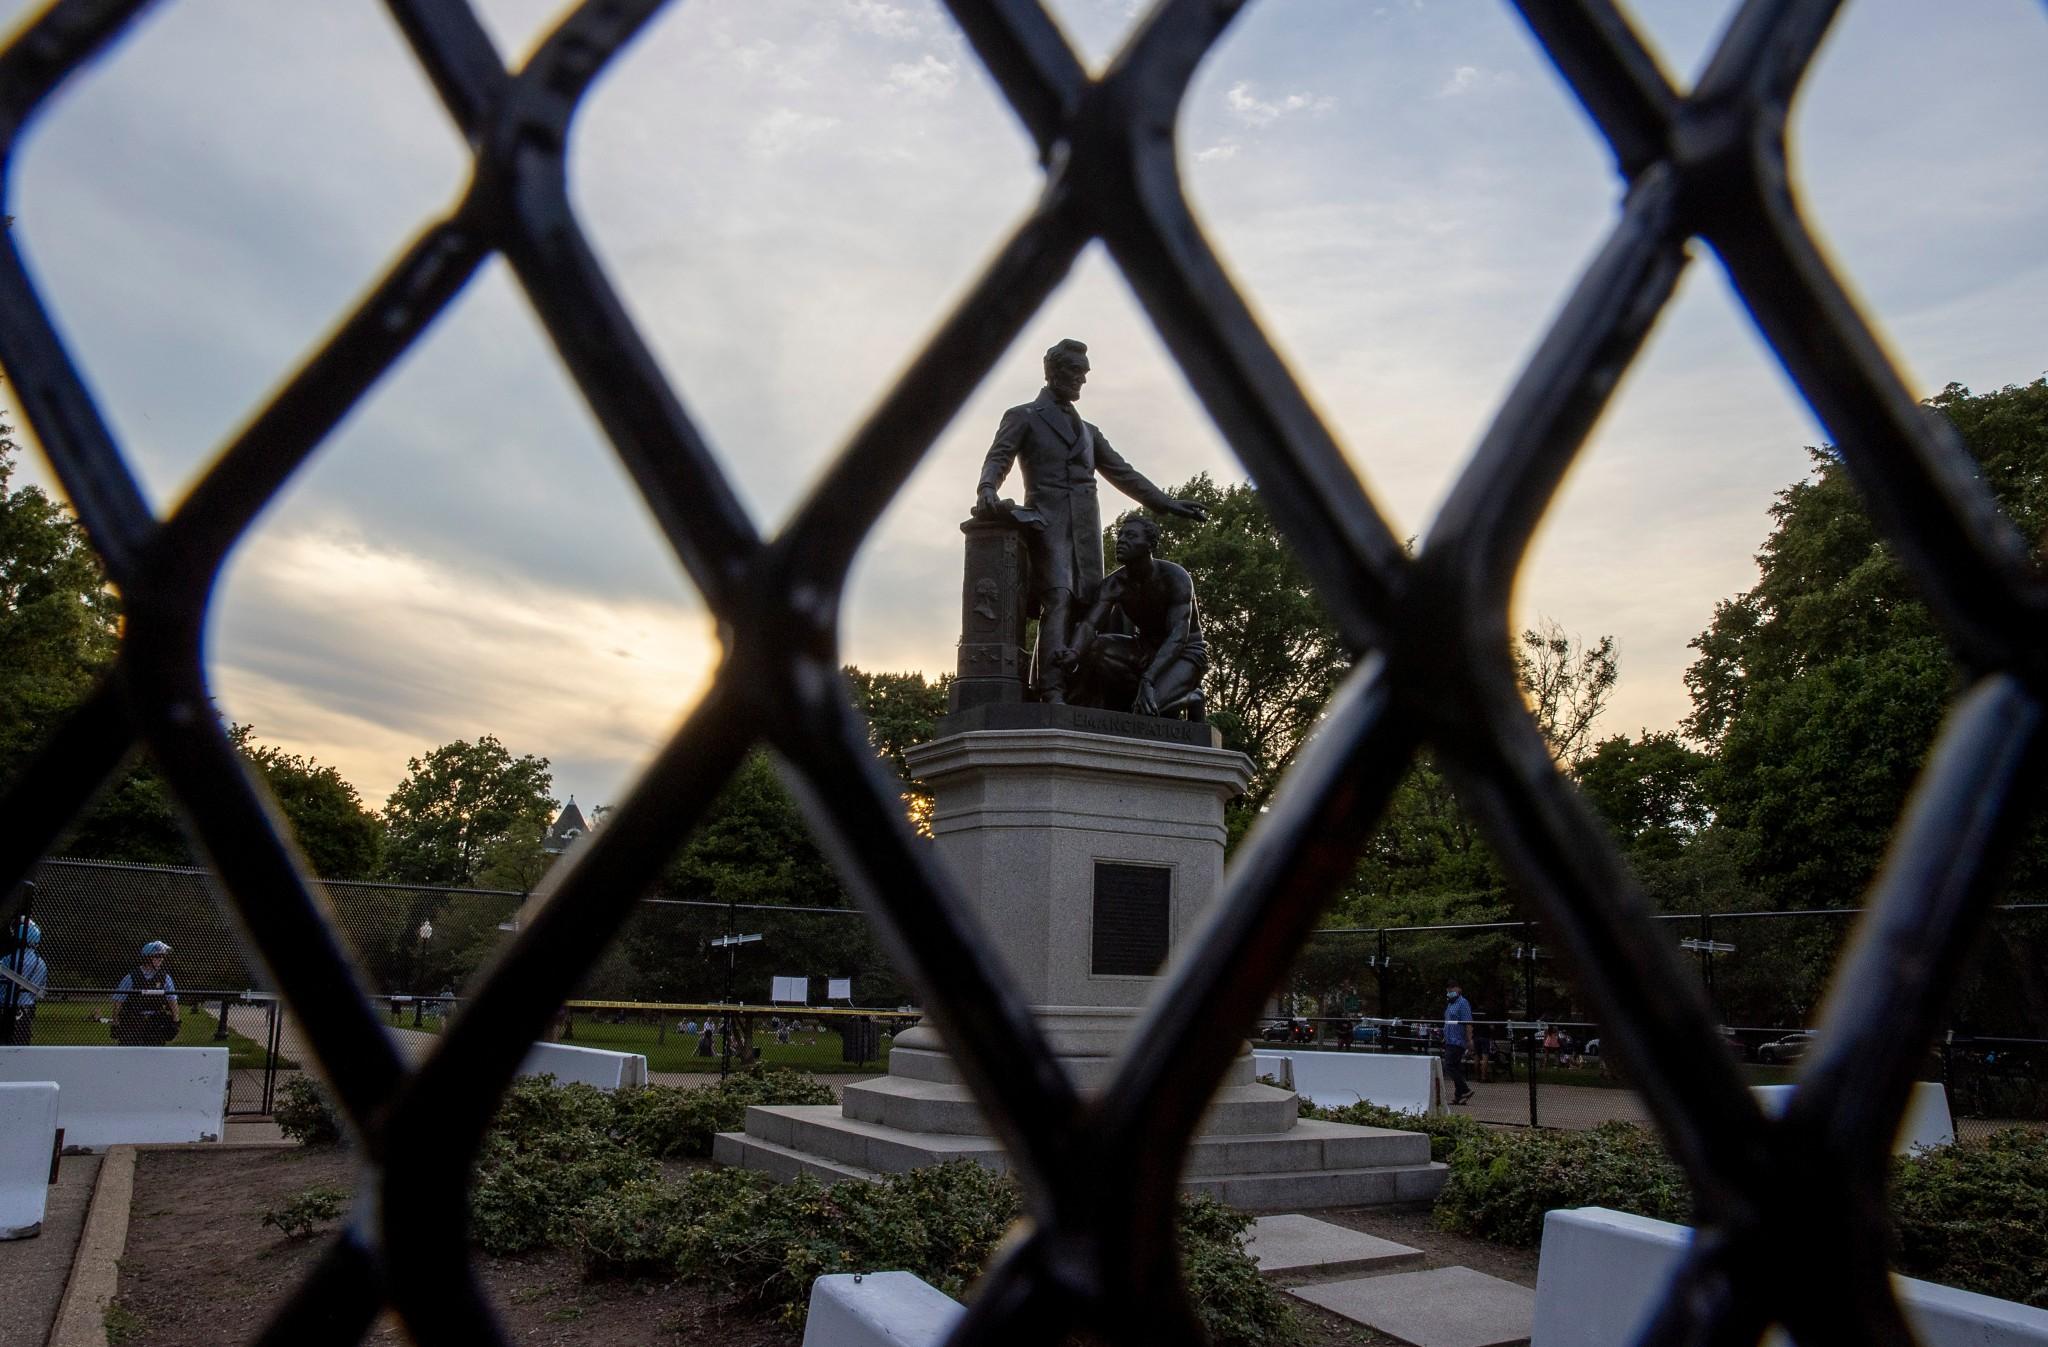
(1973, 1215)
(575, 1167)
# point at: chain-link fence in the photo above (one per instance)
(1537, 1055)
(1537, 1047)
(423, 950)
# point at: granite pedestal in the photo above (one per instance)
(1090, 854)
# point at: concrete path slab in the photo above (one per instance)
(1302, 1245)
(1443, 1307)
(33, 1272)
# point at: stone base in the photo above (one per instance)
(1310, 1165)
(1254, 1150)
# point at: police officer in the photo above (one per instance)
(27, 977)
(146, 1001)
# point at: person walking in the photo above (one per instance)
(23, 977)
(146, 1001)
(1457, 1036)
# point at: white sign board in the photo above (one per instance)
(791, 991)
(838, 989)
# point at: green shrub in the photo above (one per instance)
(307, 1209)
(1975, 1215)
(1235, 1304)
(665, 1122)
(637, 1229)
(1445, 1130)
(765, 1242)
(535, 1106)
(527, 1186)
(1502, 1182)
(304, 1112)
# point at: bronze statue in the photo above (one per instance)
(1155, 670)
(1059, 455)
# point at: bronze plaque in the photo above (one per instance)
(1133, 918)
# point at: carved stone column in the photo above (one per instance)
(994, 662)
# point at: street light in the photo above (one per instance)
(420, 970)
(731, 945)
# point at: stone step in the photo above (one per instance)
(1302, 1248)
(911, 1104)
(1300, 1190)
(823, 1130)
(737, 1150)
(1442, 1307)
(1315, 1164)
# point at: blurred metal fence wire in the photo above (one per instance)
(1791, 1208)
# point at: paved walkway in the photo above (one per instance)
(33, 1271)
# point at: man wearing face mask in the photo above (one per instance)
(1457, 1035)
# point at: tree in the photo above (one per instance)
(1820, 689)
(1567, 684)
(465, 808)
(338, 836)
(902, 709)
(1649, 790)
(1274, 654)
(58, 620)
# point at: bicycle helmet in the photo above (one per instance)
(155, 947)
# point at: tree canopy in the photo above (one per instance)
(1820, 689)
(59, 622)
(468, 814)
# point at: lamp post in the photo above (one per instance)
(426, 933)
(731, 945)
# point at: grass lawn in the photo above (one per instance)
(811, 1050)
(83, 1024)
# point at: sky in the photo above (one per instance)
(790, 195)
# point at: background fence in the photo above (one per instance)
(1537, 1055)
(1537, 1047)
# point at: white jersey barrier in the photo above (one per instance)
(1602, 1272)
(1405, 1081)
(1927, 1122)
(129, 1096)
(28, 1133)
(569, 1064)
(880, 1309)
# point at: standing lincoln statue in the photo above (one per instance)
(1059, 455)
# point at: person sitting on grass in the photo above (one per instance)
(146, 1002)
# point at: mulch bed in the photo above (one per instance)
(201, 1269)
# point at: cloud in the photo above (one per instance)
(362, 655)
(1222, 149)
(1252, 110)
(1466, 78)
(926, 80)
(882, 19)
(786, 129)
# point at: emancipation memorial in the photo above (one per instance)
(1079, 797)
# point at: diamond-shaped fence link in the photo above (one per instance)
(1790, 1209)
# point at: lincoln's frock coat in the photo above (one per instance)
(1059, 468)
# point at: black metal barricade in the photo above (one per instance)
(1790, 1208)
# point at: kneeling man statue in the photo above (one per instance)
(1157, 669)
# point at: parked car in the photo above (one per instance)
(1296, 1030)
(1790, 1048)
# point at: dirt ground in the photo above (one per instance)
(201, 1269)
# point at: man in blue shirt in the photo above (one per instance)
(146, 1001)
(26, 977)
(1457, 1015)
